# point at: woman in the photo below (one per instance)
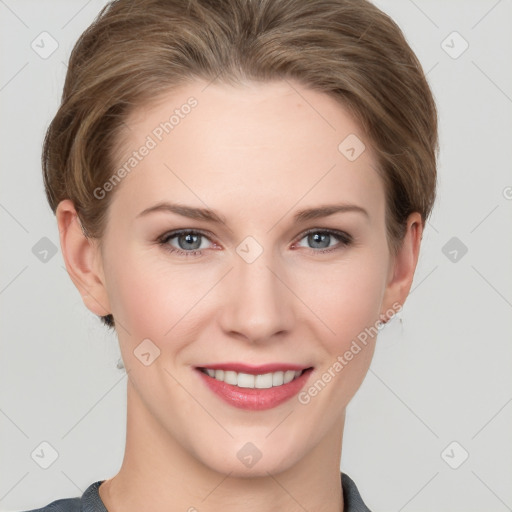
(241, 189)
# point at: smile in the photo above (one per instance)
(259, 381)
(254, 388)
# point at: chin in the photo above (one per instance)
(245, 460)
(259, 469)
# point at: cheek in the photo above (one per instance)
(347, 297)
(155, 299)
(349, 307)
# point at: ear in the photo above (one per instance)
(83, 259)
(402, 267)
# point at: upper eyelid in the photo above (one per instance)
(177, 232)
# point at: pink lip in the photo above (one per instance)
(254, 370)
(255, 399)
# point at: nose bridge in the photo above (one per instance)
(257, 304)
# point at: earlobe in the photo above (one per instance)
(403, 267)
(82, 258)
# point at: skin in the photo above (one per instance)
(256, 154)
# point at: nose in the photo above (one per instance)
(257, 303)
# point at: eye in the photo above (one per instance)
(189, 242)
(322, 239)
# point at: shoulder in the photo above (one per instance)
(90, 501)
(351, 497)
(63, 505)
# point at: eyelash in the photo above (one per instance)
(344, 238)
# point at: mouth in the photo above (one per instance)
(254, 388)
(253, 380)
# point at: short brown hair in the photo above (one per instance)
(136, 50)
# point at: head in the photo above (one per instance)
(260, 112)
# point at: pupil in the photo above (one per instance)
(319, 238)
(189, 238)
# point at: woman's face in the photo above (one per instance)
(263, 286)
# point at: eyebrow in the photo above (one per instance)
(211, 216)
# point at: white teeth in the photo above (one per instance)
(247, 380)
(277, 378)
(289, 376)
(230, 378)
(263, 381)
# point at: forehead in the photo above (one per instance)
(246, 147)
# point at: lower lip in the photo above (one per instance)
(255, 399)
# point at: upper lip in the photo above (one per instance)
(255, 369)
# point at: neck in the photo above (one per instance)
(160, 475)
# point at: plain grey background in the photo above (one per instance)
(430, 427)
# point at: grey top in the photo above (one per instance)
(91, 501)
